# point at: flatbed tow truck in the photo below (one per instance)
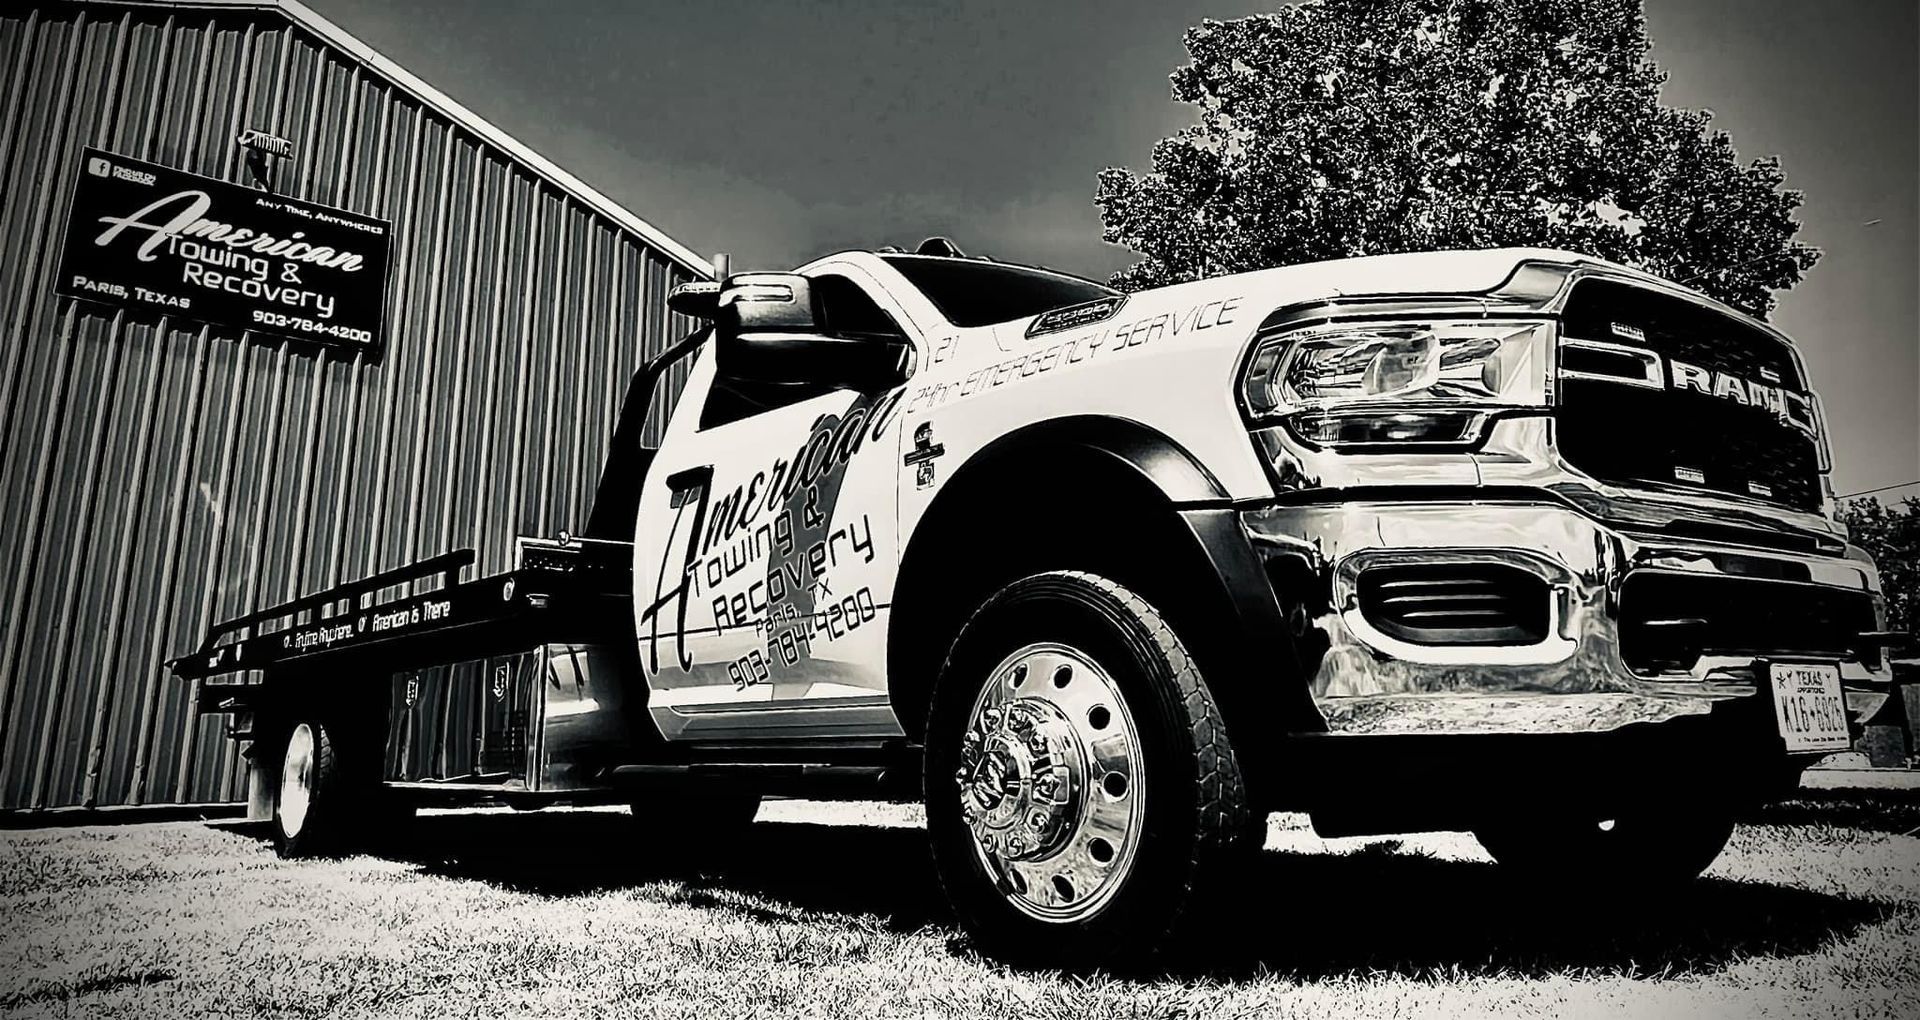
(1517, 541)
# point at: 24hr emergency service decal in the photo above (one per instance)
(152, 238)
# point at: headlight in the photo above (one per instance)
(1349, 384)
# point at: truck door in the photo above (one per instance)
(766, 549)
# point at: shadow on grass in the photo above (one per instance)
(1311, 916)
(885, 873)
(1896, 811)
(1330, 915)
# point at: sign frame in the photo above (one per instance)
(223, 253)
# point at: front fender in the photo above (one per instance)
(1115, 498)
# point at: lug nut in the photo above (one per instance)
(991, 717)
(1037, 821)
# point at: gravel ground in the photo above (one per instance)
(830, 910)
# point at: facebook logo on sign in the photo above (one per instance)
(102, 167)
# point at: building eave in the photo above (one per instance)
(399, 77)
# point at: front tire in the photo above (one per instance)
(1083, 799)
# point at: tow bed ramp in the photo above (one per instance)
(513, 683)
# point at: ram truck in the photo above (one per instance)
(1518, 542)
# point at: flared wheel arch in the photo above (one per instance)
(1133, 506)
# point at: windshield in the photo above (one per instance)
(970, 292)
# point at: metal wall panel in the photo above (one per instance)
(160, 475)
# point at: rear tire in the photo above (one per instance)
(308, 818)
(1084, 803)
(329, 800)
(1651, 849)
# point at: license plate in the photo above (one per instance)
(1809, 706)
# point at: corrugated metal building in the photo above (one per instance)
(161, 473)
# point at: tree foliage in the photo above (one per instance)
(1892, 535)
(1350, 127)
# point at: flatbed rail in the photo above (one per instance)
(225, 644)
(581, 583)
(588, 577)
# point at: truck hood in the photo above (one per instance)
(1475, 271)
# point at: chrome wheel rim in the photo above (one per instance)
(296, 780)
(1050, 783)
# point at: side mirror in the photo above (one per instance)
(767, 329)
(700, 299)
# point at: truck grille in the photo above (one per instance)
(1455, 603)
(1667, 620)
(1615, 427)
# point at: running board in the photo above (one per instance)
(810, 779)
(746, 768)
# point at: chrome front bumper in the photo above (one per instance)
(1574, 681)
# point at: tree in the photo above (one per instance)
(1892, 535)
(1350, 127)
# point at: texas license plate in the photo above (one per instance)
(1809, 706)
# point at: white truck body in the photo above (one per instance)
(1169, 360)
(1516, 541)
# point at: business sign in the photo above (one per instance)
(153, 238)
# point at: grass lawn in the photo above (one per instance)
(831, 910)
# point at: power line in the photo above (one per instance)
(1703, 274)
(1883, 488)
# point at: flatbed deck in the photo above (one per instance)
(570, 590)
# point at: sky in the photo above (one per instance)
(777, 132)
